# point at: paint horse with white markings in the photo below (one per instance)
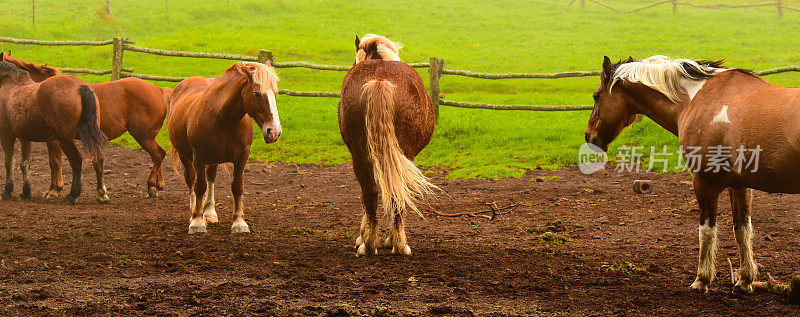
(386, 118)
(211, 123)
(710, 108)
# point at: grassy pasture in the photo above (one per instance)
(486, 36)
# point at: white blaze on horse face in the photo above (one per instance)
(722, 116)
(274, 126)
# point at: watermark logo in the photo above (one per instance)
(591, 158)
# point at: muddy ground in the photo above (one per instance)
(625, 253)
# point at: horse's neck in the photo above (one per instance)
(224, 98)
(660, 109)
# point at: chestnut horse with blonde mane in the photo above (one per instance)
(386, 118)
(60, 108)
(709, 108)
(211, 123)
(128, 104)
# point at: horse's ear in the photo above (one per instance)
(607, 67)
(630, 59)
(358, 41)
(2, 57)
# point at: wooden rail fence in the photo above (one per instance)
(435, 71)
(778, 4)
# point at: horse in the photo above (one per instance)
(709, 107)
(60, 108)
(211, 123)
(128, 104)
(385, 118)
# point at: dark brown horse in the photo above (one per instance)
(211, 123)
(60, 108)
(128, 104)
(386, 118)
(710, 109)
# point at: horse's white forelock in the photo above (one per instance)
(664, 74)
(387, 49)
(264, 76)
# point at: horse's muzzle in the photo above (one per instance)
(593, 139)
(272, 134)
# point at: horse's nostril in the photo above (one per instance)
(269, 131)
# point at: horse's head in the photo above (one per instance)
(612, 108)
(373, 46)
(259, 97)
(9, 70)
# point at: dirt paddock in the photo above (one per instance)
(623, 253)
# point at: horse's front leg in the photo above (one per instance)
(239, 225)
(24, 167)
(102, 191)
(741, 204)
(55, 155)
(8, 150)
(707, 196)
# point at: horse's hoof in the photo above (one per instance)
(211, 216)
(26, 192)
(699, 287)
(197, 225)
(49, 196)
(359, 240)
(6, 196)
(71, 200)
(362, 251)
(239, 226)
(406, 250)
(742, 289)
(152, 192)
(103, 199)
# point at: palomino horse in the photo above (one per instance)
(386, 118)
(211, 123)
(710, 108)
(128, 104)
(60, 108)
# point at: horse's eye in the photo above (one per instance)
(256, 93)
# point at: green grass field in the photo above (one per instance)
(486, 36)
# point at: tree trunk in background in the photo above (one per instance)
(167, 5)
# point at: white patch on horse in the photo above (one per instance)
(722, 116)
(692, 87)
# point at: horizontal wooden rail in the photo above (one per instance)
(475, 105)
(520, 75)
(90, 71)
(309, 93)
(59, 43)
(784, 69)
(156, 51)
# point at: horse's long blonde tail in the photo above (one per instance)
(401, 184)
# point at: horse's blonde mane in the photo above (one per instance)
(264, 76)
(387, 49)
(664, 74)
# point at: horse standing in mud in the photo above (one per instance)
(710, 108)
(211, 123)
(386, 118)
(60, 108)
(128, 104)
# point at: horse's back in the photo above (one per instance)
(414, 115)
(130, 104)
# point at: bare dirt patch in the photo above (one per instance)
(621, 253)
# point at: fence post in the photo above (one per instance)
(434, 73)
(116, 65)
(583, 3)
(779, 4)
(674, 6)
(265, 56)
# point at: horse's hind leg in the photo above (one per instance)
(398, 235)
(237, 187)
(209, 206)
(367, 241)
(707, 196)
(188, 177)
(741, 203)
(76, 162)
(102, 191)
(24, 167)
(8, 150)
(155, 182)
(197, 224)
(54, 154)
